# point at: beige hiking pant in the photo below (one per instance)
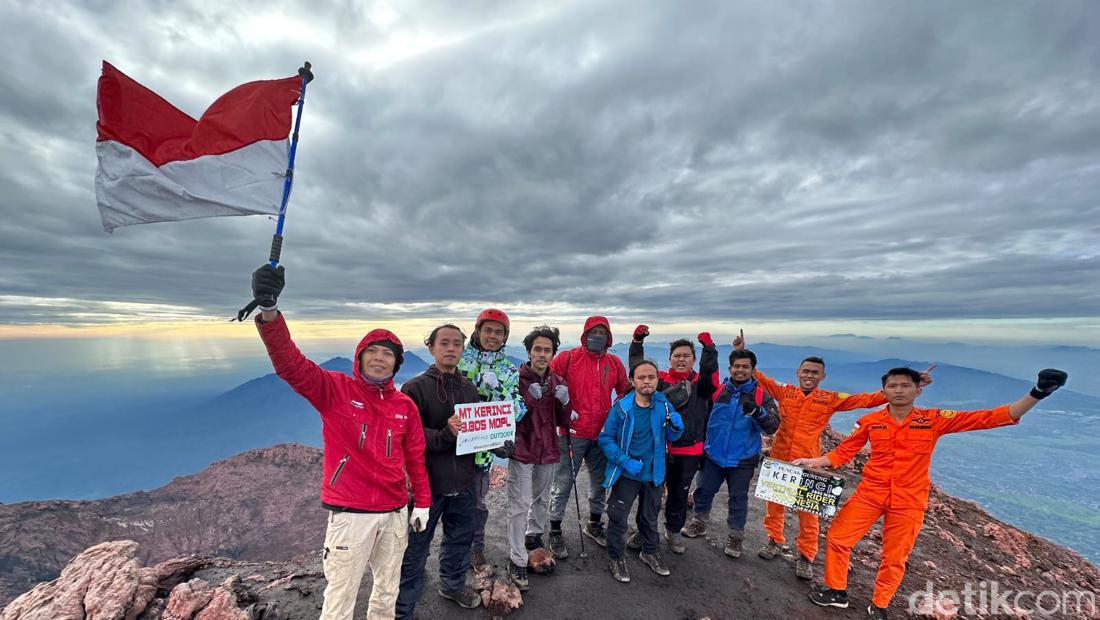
(352, 542)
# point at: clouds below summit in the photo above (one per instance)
(803, 160)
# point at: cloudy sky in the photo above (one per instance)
(877, 167)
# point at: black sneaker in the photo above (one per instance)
(876, 613)
(618, 570)
(557, 545)
(595, 531)
(518, 575)
(634, 542)
(733, 547)
(827, 597)
(656, 562)
(467, 598)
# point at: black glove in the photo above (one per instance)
(267, 283)
(1050, 379)
(748, 405)
(506, 451)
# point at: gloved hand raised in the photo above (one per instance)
(535, 390)
(561, 392)
(267, 284)
(640, 333)
(705, 339)
(506, 451)
(632, 467)
(676, 421)
(418, 520)
(748, 405)
(1050, 379)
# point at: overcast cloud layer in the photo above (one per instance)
(687, 161)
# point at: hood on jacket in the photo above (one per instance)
(373, 336)
(591, 322)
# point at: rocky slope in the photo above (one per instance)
(960, 544)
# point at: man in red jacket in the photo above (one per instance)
(373, 442)
(591, 373)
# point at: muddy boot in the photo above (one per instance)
(618, 570)
(675, 542)
(654, 561)
(557, 545)
(697, 526)
(467, 598)
(876, 613)
(518, 575)
(826, 597)
(773, 550)
(803, 568)
(595, 531)
(733, 546)
(634, 541)
(478, 562)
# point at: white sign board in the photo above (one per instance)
(485, 426)
(806, 490)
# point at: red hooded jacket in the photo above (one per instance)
(372, 436)
(591, 377)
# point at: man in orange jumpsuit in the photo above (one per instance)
(895, 480)
(805, 410)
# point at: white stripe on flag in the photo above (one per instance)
(131, 190)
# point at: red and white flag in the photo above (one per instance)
(157, 164)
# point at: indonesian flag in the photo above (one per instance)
(157, 164)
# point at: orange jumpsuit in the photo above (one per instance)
(895, 486)
(803, 418)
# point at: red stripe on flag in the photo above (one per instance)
(133, 115)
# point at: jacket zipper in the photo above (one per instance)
(339, 468)
(389, 441)
(362, 435)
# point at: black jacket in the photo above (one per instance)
(696, 410)
(436, 394)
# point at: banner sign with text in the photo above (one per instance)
(807, 490)
(485, 426)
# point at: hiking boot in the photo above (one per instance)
(595, 531)
(634, 542)
(532, 542)
(654, 561)
(478, 561)
(557, 545)
(876, 613)
(827, 597)
(773, 550)
(803, 568)
(467, 598)
(518, 575)
(675, 543)
(618, 570)
(696, 527)
(733, 547)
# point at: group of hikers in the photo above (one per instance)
(391, 473)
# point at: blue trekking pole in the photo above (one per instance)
(277, 239)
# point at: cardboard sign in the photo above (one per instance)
(807, 490)
(485, 426)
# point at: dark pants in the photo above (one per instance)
(680, 469)
(457, 514)
(481, 511)
(737, 481)
(622, 497)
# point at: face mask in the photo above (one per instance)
(596, 344)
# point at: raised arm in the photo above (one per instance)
(707, 384)
(636, 352)
(1049, 380)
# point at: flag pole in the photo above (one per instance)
(306, 73)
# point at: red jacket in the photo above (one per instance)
(536, 439)
(591, 377)
(372, 437)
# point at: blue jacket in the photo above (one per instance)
(733, 437)
(614, 439)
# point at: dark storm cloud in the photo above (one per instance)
(804, 160)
